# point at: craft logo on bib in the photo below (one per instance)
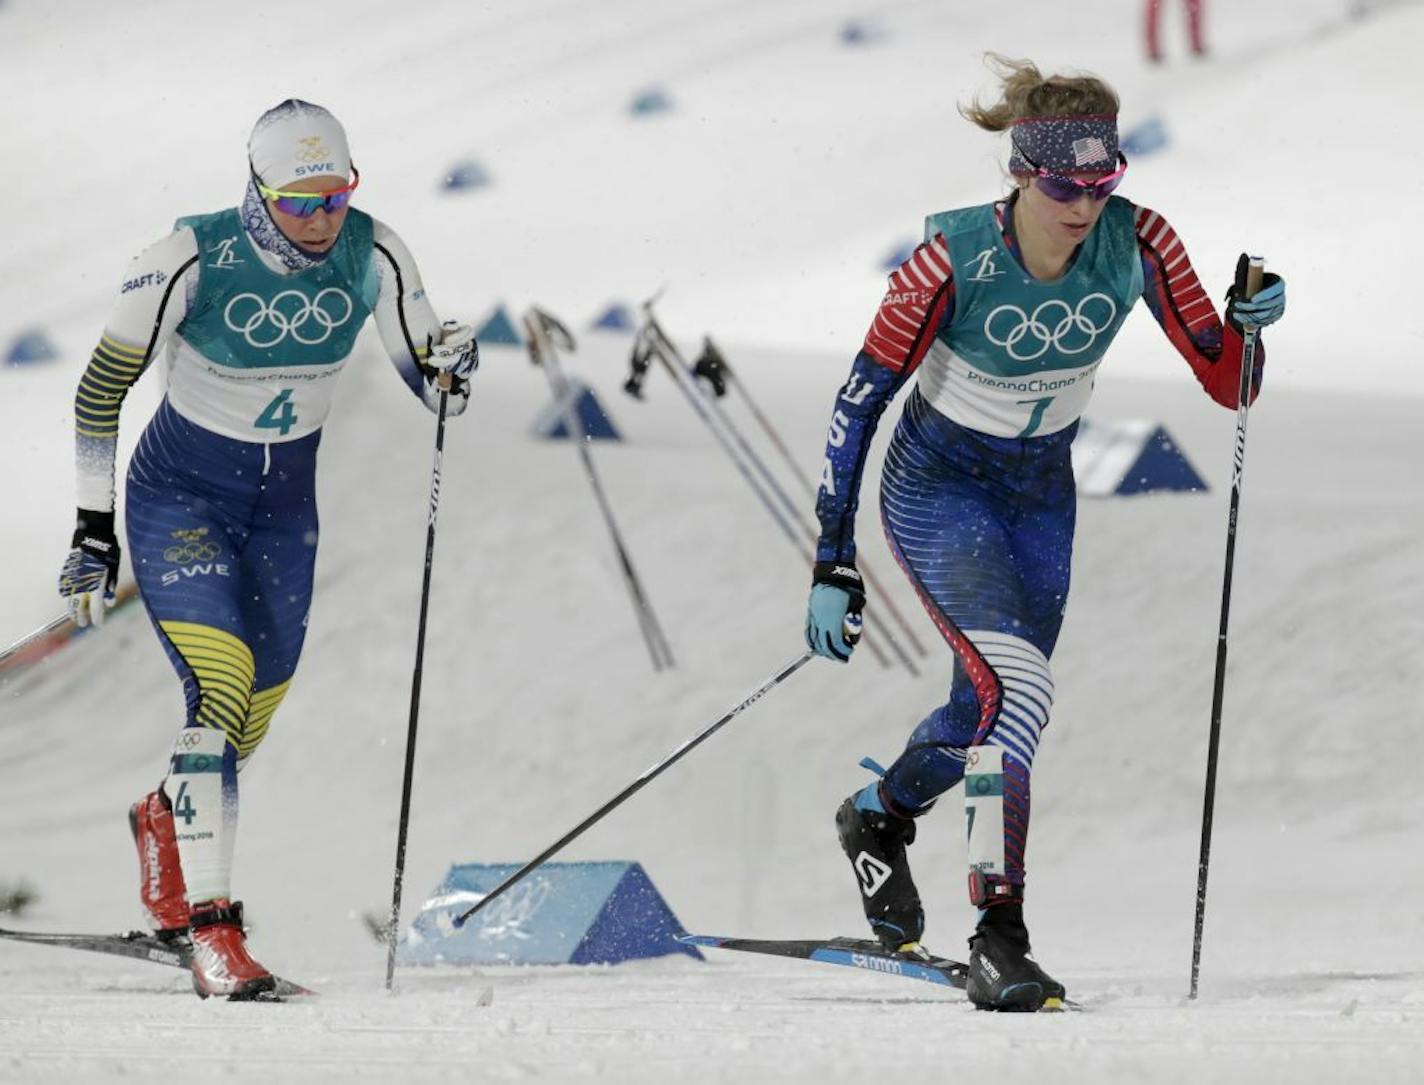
(308, 321)
(1054, 323)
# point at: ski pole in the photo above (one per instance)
(653, 341)
(30, 638)
(712, 362)
(394, 931)
(1249, 271)
(545, 336)
(648, 776)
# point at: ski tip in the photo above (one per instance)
(286, 989)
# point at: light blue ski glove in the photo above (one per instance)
(1264, 307)
(833, 612)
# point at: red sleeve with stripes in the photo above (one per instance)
(919, 300)
(1174, 294)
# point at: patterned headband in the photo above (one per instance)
(1064, 144)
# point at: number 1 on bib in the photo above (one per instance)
(1035, 419)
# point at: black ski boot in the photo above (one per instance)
(874, 842)
(1002, 973)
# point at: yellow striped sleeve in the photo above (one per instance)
(112, 370)
(120, 349)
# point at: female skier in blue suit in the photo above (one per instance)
(1005, 311)
(255, 311)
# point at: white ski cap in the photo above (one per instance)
(296, 140)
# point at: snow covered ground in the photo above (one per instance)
(766, 201)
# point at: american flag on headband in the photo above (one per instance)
(1089, 150)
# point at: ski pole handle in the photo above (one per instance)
(1250, 271)
(851, 628)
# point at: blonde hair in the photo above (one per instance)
(1026, 92)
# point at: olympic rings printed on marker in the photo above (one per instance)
(1072, 320)
(307, 320)
(177, 555)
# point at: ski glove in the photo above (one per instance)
(1262, 308)
(91, 571)
(457, 353)
(833, 613)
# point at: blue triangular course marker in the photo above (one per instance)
(1145, 138)
(860, 32)
(634, 920)
(499, 330)
(30, 347)
(616, 318)
(1134, 457)
(898, 255)
(650, 100)
(464, 175)
(1161, 465)
(552, 421)
(562, 913)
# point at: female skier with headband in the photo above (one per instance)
(257, 308)
(1005, 310)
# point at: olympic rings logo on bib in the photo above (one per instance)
(1072, 331)
(309, 321)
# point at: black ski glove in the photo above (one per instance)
(91, 571)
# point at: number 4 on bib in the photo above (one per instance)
(183, 805)
(279, 415)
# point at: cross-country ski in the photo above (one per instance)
(865, 954)
(143, 946)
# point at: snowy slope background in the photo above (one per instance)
(765, 201)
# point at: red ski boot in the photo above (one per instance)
(161, 885)
(221, 964)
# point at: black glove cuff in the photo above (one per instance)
(90, 524)
(840, 574)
